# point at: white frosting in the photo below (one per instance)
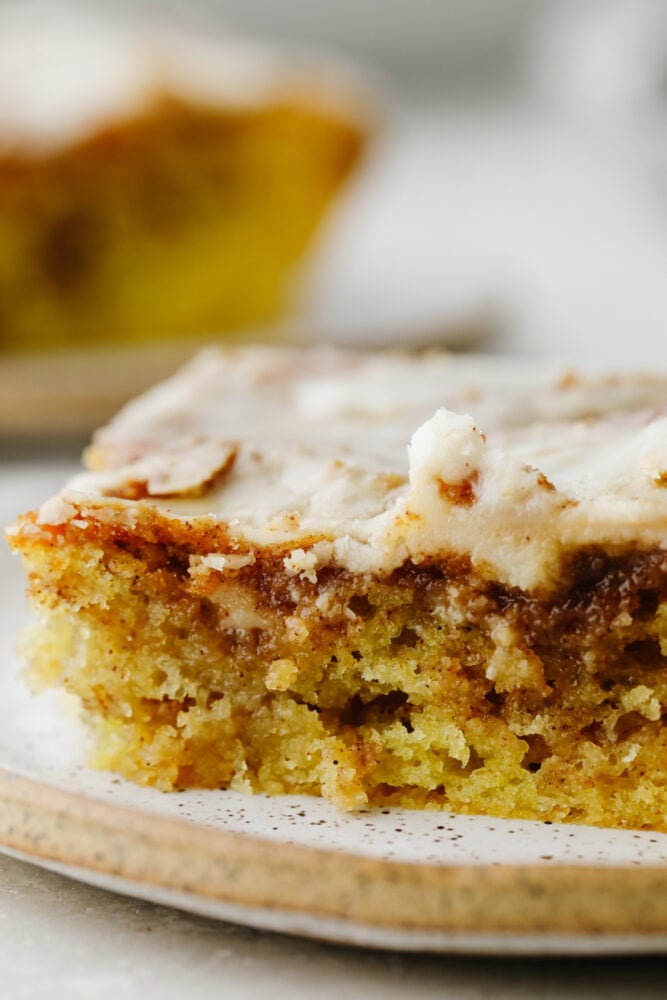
(65, 71)
(365, 460)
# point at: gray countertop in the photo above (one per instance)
(61, 939)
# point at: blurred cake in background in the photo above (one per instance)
(155, 183)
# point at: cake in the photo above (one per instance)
(422, 580)
(157, 183)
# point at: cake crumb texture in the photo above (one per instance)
(425, 689)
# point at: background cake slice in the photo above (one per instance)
(154, 182)
(390, 579)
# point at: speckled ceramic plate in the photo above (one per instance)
(390, 878)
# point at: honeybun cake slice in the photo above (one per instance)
(422, 580)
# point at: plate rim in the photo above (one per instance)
(217, 866)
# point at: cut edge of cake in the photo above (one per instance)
(350, 642)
